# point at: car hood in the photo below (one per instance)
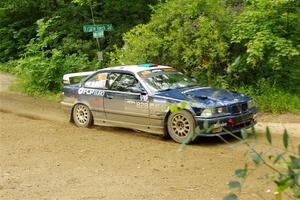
(205, 96)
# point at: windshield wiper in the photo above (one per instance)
(165, 90)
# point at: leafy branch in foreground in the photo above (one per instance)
(283, 164)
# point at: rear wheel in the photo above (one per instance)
(180, 125)
(82, 115)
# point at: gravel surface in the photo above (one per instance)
(43, 156)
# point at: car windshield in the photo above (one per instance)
(162, 81)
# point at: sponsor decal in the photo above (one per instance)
(131, 102)
(158, 107)
(96, 84)
(145, 73)
(141, 105)
(96, 102)
(163, 101)
(156, 70)
(136, 104)
(144, 97)
(101, 77)
(169, 70)
(93, 92)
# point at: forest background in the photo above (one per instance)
(250, 46)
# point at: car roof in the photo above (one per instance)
(135, 68)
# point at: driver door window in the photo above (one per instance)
(122, 82)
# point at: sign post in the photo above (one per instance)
(97, 27)
(98, 32)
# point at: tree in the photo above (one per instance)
(188, 34)
(265, 37)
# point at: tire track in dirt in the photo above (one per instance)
(25, 115)
(42, 156)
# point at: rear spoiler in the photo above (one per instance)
(66, 77)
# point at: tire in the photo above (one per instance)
(180, 125)
(82, 116)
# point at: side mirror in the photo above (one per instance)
(138, 90)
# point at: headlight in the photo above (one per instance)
(221, 110)
(207, 112)
(213, 111)
(250, 104)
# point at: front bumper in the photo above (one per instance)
(229, 123)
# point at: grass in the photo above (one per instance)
(19, 87)
(268, 99)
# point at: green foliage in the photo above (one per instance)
(49, 41)
(15, 29)
(255, 43)
(268, 135)
(242, 173)
(230, 196)
(251, 45)
(41, 74)
(266, 38)
(42, 66)
(234, 184)
(284, 166)
(271, 99)
(285, 139)
(187, 34)
(244, 134)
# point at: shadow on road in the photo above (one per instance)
(200, 141)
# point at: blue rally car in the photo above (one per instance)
(140, 97)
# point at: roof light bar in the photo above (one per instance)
(148, 65)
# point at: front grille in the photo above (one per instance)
(239, 108)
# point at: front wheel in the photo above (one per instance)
(180, 125)
(82, 115)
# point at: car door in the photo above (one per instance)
(124, 106)
(91, 93)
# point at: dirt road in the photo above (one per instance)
(43, 156)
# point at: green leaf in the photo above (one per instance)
(173, 108)
(282, 184)
(296, 191)
(256, 158)
(268, 134)
(241, 172)
(182, 105)
(249, 150)
(253, 130)
(244, 134)
(230, 196)
(295, 162)
(278, 157)
(234, 184)
(205, 124)
(285, 139)
(198, 130)
(299, 150)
